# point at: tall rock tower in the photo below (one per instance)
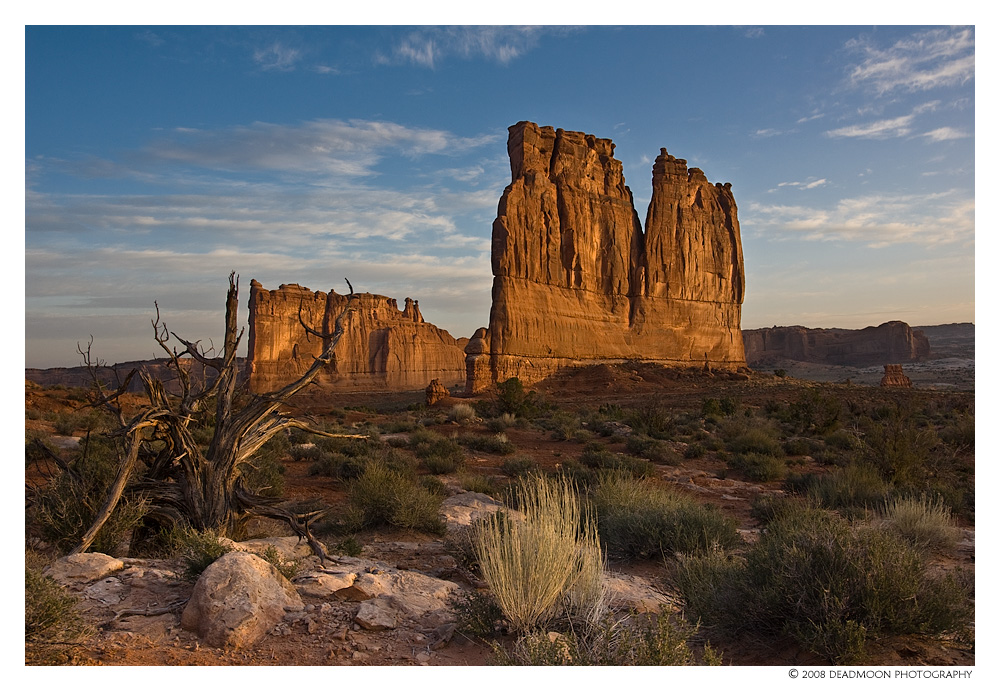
(577, 281)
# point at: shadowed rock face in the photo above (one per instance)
(891, 342)
(576, 279)
(382, 349)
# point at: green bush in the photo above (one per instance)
(51, 622)
(842, 439)
(827, 584)
(961, 434)
(264, 473)
(758, 467)
(651, 449)
(496, 443)
(66, 507)
(694, 450)
(436, 450)
(639, 520)
(500, 423)
(462, 413)
(474, 482)
(857, 486)
(384, 496)
(759, 440)
(894, 444)
(661, 639)
(519, 465)
(197, 549)
(596, 455)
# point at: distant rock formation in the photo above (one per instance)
(895, 378)
(892, 341)
(576, 280)
(383, 348)
(435, 391)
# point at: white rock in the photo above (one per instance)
(377, 614)
(83, 568)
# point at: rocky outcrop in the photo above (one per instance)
(383, 348)
(435, 391)
(892, 341)
(895, 378)
(577, 280)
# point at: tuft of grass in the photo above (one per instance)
(462, 413)
(496, 443)
(596, 455)
(198, 549)
(548, 563)
(639, 520)
(857, 486)
(51, 622)
(519, 465)
(923, 522)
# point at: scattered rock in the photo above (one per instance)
(77, 569)
(435, 391)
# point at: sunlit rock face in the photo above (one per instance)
(578, 280)
(383, 348)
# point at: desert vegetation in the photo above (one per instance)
(772, 511)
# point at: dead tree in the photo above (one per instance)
(183, 483)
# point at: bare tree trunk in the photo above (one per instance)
(205, 489)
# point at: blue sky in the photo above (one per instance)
(159, 159)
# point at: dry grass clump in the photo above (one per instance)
(462, 413)
(546, 564)
(923, 522)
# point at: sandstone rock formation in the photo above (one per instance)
(383, 348)
(892, 341)
(576, 280)
(435, 391)
(895, 378)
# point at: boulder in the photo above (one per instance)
(577, 280)
(460, 510)
(237, 600)
(383, 348)
(78, 569)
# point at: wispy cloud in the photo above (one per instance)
(874, 221)
(812, 184)
(942, 134)
(767, 133)
(277, 57)
(879, 129)
(926, 60)
(428, 47)
(334, 147)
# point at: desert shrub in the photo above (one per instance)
(895, 445)
(827, 584)
(426, 443)
(385, 496)
(475, 482)
(639, 520)
(306, 452)
(441, 465)
(519, 465)
(752, 439)
(694, 450)
(64, 423)
(636, 640)
(349, 546)
(197, 549)
(597, 456)
(264, 472)
(287, 568)
(758, 467)
(961, 433)
(765, 508)
(842, 439)
(500, 423)
(923, 522)
(478, 613)
(496, 443)
(548, 563)
(462, 413)
(65, 508)
(652, 419)
(798, 446)
(511, 397)
(856, 486)
(51, 622)
(651, 449)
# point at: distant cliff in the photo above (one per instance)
(891, 342)
(576, 279)
(383, 348)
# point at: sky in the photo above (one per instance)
(158, 159)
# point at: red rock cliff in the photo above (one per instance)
(383, 348)
(891, 342)
(576, 279)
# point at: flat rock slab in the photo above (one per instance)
(78, 569)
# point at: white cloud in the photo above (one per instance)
(427, 47)
(924, 61)
(812, 184)
(942, 134)
(277, 57)
(879, 129)
(874, 221)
